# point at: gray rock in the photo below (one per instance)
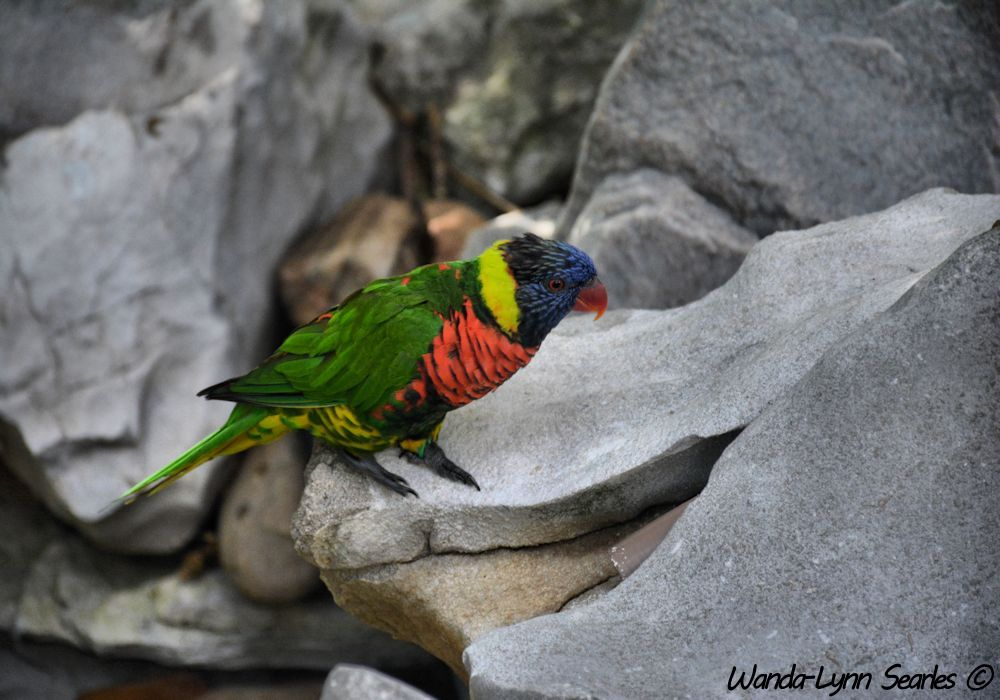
(59, 58)
(788, 113)
(635, 397)
(656, 242)
(88, 324)
(137, 247)
(430, 601)
(539, 220)
(112, 605)
(425, 46)
(350, 682)
(852, 526)
(515, 81)
(629, 414)
(255, 544)
(55, 587)
(27, 529)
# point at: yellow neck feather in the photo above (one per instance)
(498, 287)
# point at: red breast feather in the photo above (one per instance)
(469, 359)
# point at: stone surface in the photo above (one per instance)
(431, 602)
(138, 239)
(57, 588)
(852, 525)
(255, 542)
(657, 243)
(629, 414)
(515, 81)
(113, 605)
(539, 220)
(351, 682)
(787, 113)
(628, 554)
(59, 58)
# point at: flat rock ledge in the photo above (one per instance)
(611, 423)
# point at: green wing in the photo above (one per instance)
(358, 354)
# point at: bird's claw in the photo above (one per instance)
(369, 466)
(434, 458)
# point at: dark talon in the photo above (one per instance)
(369, 466)
(435, 459)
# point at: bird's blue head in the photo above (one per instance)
(551, 278)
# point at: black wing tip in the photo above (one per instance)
(222, 392)
(219, 391)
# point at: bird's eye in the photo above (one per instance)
(557, 284)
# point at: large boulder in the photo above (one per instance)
(612, 420)
(514, 81)
(61, 58)
(656, 242)
(255, 545)
(138, 239)
(852, 527)
(783, 114)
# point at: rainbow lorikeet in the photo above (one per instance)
(384, 367)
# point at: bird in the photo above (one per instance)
(384, 367)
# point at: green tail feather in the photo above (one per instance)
(242, 419)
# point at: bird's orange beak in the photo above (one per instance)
(592, 298)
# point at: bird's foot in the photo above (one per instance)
(435, 459)
(368, 465)
(411, 457)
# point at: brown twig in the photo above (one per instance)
(479, 189)
(439, 168)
